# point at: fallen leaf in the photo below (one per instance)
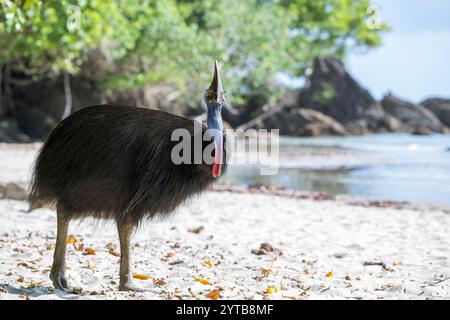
(78, 246)
(90, 264)
(329, 274)
(72, 239)
(20, 279)
(196, 230)
(113, 252)
(266, 272)
(208, 263)
(289, 297)
(202, 281)
(89, 251)
(159, 282)
(214, 294)
(272, 289)
(141, 276)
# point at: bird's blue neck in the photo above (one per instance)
(215, 128)
(214, 119)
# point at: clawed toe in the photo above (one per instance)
(59, 281)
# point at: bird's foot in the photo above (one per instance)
(59, 280)
(128, 286)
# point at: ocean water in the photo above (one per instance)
(400, 167)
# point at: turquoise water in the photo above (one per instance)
(398, 167)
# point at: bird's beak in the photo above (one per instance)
(215, 91)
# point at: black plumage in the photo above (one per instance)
(115, 162)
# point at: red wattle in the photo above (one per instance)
(217, 166)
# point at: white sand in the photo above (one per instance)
(316, 238)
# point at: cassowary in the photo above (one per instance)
(114, 162)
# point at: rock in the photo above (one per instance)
(296, 122)
(35, 122)
(415, 118)
(9, 132)
(39, 106)
(13, 191)
(332, 91)
(440, 108)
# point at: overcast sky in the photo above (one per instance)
(414, 60)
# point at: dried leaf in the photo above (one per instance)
(72, 239)
(289, 297)
(196, 230)
(272, 289)
(266, 272)
(202, 281)
(141, 276)
(214, 294)
(20, 279)
(329, 274)
(78, 246)
(113, 252)
(90, 264)
(89, 251)
(159, 282)
(209, 263)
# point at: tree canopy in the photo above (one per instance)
(127, 44)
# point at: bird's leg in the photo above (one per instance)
(57, 274)
(125, 229)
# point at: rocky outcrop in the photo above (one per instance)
(440, 108)
(332, 91)
(9, 132)
(414, 118)
(297, 122)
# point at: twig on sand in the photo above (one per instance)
(377, 263)
(439, 281)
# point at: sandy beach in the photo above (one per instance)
(232, 245)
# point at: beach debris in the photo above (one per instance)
(167, 256)
(196, 230)
(321, 196)
(32, 284)
(271, 289)
(113, 252)
(329, 274)
(89, 251)
(141, 276)
(159, 282)
(208, 263)
(90, 264)
(266, 272)
(178, 261)
(72, 239)
(201, 280)
(266, 248)
(377, 263)
(214, 294)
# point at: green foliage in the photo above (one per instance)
(126, 44)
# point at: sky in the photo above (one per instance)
(414, 60)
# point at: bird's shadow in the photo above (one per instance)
(38, 291)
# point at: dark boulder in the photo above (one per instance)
(414, 118)
(296, 122)
(332, 91)
(440, 108)
(10, 132)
